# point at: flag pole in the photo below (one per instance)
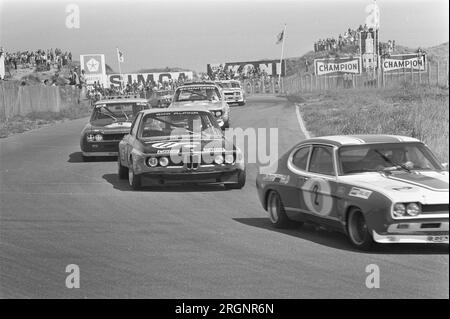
(120, 71)
(281, 59)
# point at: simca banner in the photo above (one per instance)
(94, 68)
(147, 78)
(270, 67)
(404, 62)
(337, 66)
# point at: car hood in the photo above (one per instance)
(166, 146)
(206, 104)
(428, 187)
(108, 126)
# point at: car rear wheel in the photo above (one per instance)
(358, 231)
(133, 179)
(277, 214)
(122, 170)
(240, 183)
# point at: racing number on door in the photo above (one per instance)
(317, 196)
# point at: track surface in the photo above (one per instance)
(177, 242)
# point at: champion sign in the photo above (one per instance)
(338, 66)
(404, 62)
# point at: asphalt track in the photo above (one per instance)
(179, 241)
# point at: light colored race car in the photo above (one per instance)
(161, 98)
(203, 94)
(233, 92)
(179, 146)
(375, 188)
(110, 120)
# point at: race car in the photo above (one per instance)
(110, 120)
(204, 94)
(179, 146)
(161, 98)
(233, 92)
(375, 188)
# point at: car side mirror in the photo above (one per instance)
(445, 165)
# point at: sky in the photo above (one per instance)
(192, 33)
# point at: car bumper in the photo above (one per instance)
(97, 148)
(414, 232)
(192, 177)
(234, 99)
(89, 154)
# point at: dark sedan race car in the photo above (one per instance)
(375, 188)
(179, 146)
(110, 121)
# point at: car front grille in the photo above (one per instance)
(435, 209)
(113, 137)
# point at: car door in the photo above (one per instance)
(316, 193)
(297, 164)
(130, 138)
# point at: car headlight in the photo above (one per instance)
(413, 209)
(218, 159)
(229, 158)
(98, 137)
(399, 210)
(152, 161)
(218, 113)
(164, 161)
(90, 137)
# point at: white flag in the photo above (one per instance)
(120, 56)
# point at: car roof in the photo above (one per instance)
(341, 140)
(204, 83)
(176, 110)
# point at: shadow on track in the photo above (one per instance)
(122, 185)
(338, 240)
(76, 157)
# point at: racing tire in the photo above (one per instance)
(240, 183)
(122, 171)
(226, 125)
(357, 230)
(277, 214)
(134, 180)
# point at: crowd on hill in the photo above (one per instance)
(250, 73)
(349, 38)
(41, 59)
(145, 90)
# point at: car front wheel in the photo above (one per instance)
(240, 183)
(358, 231)
(133, 179)
(122, 170)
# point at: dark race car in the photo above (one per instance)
(110, 121)
(376, 188)
(179, 146)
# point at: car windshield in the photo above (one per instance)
(178, 124)
(115, 112)
(197, 93)
(230, 85)
(386, 157)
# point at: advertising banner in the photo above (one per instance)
(270, 67)
(147, 78)
(404, 63)
(336, 66)
(94, 68)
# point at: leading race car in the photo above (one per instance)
(203, 94)
(110, 120)
(179, 146)
(376, 188)
(233, 92)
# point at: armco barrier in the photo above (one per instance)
(22, 100)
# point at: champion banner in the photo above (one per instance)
(271, 67)
(338, 66)
(147, 78)
(404, 62)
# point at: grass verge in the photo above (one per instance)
(420, 112)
